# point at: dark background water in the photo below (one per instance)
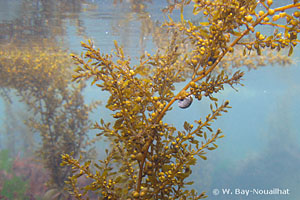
(261, 148)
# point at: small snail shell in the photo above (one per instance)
(186, 102)
(212, 59)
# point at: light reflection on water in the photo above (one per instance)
(264, 110)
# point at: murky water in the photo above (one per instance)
(261, 148)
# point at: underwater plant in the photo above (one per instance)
(38, 74)
(12, 186)
(149, 158)
(21, 178)
(5, 162)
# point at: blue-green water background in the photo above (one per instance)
(261, 145)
